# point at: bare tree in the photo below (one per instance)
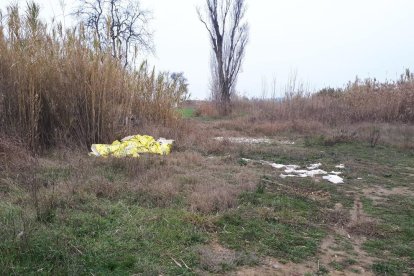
(120, 26)
(224, 21)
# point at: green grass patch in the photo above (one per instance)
(187, 112)
(54, 174)
(272, 225)
(390, 267)
(397, 216)
(108, 238)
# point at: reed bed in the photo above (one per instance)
(56, 87)
(359, 102)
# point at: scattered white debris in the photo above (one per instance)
(334, 179)
(337, 173)
(359, 178)
(250, 140)
(287, 175)
(340, 166)
(306, 173)
(244, 140)
(294, 171)
(274, 165)
(292, 167)
(277, 166)
(313, 173)
(314, 166)
(20, 234)
(163, 141)
(276, 266)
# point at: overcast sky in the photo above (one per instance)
(327, 42)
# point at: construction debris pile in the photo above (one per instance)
(132, 146)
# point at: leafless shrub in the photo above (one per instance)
(374, 136)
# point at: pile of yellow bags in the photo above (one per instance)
(132, 146)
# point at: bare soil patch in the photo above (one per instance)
(378, 193)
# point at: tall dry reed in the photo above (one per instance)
(360, 101)
(56, 87)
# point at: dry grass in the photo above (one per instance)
(368, 111)
(368, 229)
(360, 101)
(338, 217)
(181, 179)
(14, 155)
(56, 87)
(254, 126)
(206, 109)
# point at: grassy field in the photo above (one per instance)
(204, 210)
(215, 205)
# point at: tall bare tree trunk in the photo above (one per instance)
(229, 35)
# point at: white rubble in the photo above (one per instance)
(337, 173)
(277, 166)
(294, 171)
(287, 175)
(274, 165)
(165, 141)
(314, 166)
(292, 167)
(244, 140)
(334, 179)
(305, 173)
(250, 140)
(340, 166)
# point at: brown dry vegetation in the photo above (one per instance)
(366, 111)
(360, 101)
(55, 87)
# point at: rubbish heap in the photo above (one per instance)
(132, 146)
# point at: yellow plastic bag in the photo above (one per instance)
(132, 146)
